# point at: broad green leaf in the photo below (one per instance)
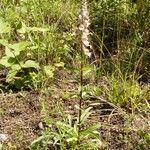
(31, 64)
(4, 61)
(13, 50)
(11, 53)
(19, 46)
(4, 26)
(16, 67)
(3, 42)
(49, 71)
(7, 61)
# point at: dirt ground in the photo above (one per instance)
(21, 114)
(20, 117)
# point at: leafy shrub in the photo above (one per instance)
(46, 32)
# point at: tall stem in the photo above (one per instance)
(85, 48)
(81, 90)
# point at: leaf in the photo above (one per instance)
(4, 26)
(1, 146)
(3, 42)
(66, 95)
(11, 74)
(19, 46)
(13, 50)
(39, 139)
(7, 61)
(91, 129)
(4, 61)
(16, 67)
(31, 64)
(85, 115)
(25, 29)
(63, 126)
(10, 53)
(87, 70)
(49, 71)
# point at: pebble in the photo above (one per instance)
(3, 137)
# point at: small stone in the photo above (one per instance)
(3, 137)
(41, 126)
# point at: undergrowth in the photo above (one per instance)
(39, 45)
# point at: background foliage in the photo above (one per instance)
(40, 47)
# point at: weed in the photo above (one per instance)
(41, 49)
(64, 134)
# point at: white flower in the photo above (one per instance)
(84, 23)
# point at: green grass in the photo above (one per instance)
(39, 45)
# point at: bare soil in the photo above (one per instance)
(21, 115)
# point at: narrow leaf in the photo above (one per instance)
(85, 115)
